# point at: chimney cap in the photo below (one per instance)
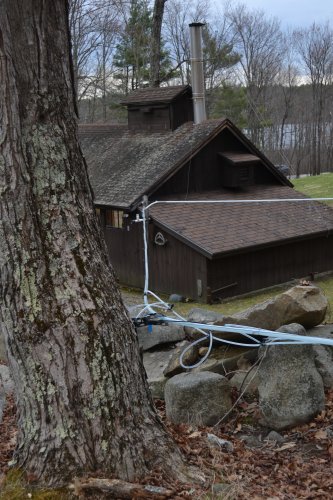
(197, 24)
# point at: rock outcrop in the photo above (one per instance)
(197, 398)
(306, 305)
(291, 391)
(303, 304)
(6, 387)
(189, 358)
(156, 335)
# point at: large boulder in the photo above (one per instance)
(157, 386)
(306, 305)
(303, 304)
(6, 379)
(291, 391)
(199, 315)
(323, 353)
(324, 364)
(156, 335)
(197, 398)
(246, 379)
(206, 316)
(189, 358)
(225, 360)
(6, 387)
(156, 361)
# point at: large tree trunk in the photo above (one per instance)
(82, 395)
(155, 51)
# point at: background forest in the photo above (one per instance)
(274, 83)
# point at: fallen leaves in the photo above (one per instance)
(7, 434)
(321, 434)
(300, 467)
(286, 446)
(330, 451)
(195, 435)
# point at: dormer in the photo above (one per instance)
(160, 108)
(238, 168)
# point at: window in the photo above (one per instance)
(100, 215)
(114, 218)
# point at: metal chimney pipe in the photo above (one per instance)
(198, 84)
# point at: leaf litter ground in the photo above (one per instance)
(299, 467)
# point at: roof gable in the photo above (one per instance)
(124, 166)
(156, 95)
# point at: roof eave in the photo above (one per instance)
(183, 239)
(162, 101)
(101, 204)
(286, 241)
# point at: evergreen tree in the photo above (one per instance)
(230, 102)
(132, 58)
(219, 56)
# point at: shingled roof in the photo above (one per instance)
(156, 95)
(123, 166)
(216, 229)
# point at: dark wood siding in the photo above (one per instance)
(175, 267)
(125, 247)
(157, 116)
(262, 268)
(203, 173)
(181, 111)
(149, 118)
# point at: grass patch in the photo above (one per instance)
(233, 305)
(239, 304)
(15, 487)
(316, 186)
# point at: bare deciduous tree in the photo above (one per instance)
(85, 39)
(178, 15)
(315, 47)
(155, 50)
(258, 41)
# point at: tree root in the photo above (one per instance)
(114, 488)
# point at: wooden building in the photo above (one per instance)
(199, 250)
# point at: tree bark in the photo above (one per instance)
(155, 54)
(82, 394)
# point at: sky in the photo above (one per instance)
(295, 13)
